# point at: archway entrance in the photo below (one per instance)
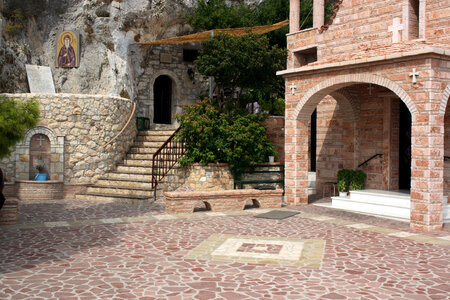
(404, 166)
(162, 95)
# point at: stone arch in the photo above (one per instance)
(176, 90)
(41, 130)
(313, 96)
(444, 100)
(56, 152)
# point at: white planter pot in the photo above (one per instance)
(271, 159)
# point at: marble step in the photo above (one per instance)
(128, 191)
(114, 198)
(381, 203)
(123, 183)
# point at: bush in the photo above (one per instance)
(343, 180)
(357, 180)
(16, 118)
(235, 137)
(350, 180)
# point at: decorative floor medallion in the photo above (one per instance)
(262, 250)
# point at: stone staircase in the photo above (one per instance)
(131, 181)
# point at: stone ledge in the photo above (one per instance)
(373, 59)
(39, 190)
(65, 95)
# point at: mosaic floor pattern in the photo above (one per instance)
(262, 250)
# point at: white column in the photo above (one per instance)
(318, 13)
(294, 16)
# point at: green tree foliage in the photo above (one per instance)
(247, 62)
(16, 118)
(234, 137)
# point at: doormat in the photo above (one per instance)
(277, 214)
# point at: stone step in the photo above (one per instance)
(138, 162)
(152, 138)
(142, 156)
(128, 191)
(156, 132)
(141, 162)
(134, 169)
(114, 198)
(143, 150)
(148, 144)
(123, 183)
(128, 176)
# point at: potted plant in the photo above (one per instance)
(343, 181)
(357, 181)
(42, 175)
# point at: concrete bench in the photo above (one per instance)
(217, 201)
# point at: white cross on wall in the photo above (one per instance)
(293, 87)
(395, 28)
(414, 75)
(40, 139)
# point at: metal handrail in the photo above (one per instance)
(165, 158)
(362, 164)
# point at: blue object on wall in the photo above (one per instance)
(41, 177)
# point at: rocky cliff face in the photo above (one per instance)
(108, 31)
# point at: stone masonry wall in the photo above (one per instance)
(213, 177)
(168, 60)
(87, 122)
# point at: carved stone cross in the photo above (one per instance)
(40, 139)
(293, 87)
(395, 28)
(414, 75)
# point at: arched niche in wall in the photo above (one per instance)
(41, 146)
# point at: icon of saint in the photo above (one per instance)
(66, 57)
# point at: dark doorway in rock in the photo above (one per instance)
(404, 172)
(162, 92)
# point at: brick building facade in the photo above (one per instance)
(378, 74)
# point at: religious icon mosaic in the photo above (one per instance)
(68, 49)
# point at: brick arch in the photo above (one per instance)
(312, 97)
(444, 100)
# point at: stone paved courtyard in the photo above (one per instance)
(91, 250)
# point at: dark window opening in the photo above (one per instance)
(307, 56)
(190, 55)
